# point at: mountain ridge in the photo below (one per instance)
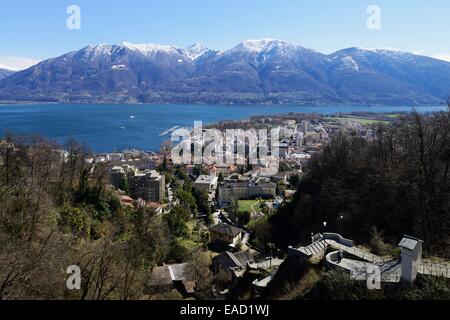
(4, 73)
(266, 71)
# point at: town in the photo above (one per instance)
(219, 207)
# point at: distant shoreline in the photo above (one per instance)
(9, 103)
(111, 127)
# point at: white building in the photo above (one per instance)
(206, 183)
(229, 192)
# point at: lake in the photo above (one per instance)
(106, 128)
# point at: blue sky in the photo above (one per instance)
(37, 30)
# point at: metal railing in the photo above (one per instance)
(359, 253)
(434, 269)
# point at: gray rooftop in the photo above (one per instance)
(160, 276)
(409, 243)
(242, 184)
(226, 229)
(234, 260)
(178, 271)
(204, 179)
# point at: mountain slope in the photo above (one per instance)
(388, 75)
(264, 71)
(4, 73)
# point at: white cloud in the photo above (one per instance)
(16, 63)
(444, 56)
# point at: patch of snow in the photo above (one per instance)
(101, 49)
(350, 63)
(264, 48)
(119, 67)
(195, 51)
(262, 45)
(150, 49)
(94, 51)
(192, 52)
(384, 50)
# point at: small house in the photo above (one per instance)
(226, 234)
(229, 266)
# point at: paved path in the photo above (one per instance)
(267, 264)
(358, 270)
(390, 267)
(252, 207)
(263, 282)
(321, 246)
(357, 252)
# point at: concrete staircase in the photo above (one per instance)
(314, 249)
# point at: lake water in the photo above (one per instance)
(106, 128)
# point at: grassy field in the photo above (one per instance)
(364, 121)
(246, 205)
(194, 239)
(189, 244)
(393, 116)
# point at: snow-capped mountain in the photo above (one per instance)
(387, 74)
(4, 73)
(264, 71)
(197, 50)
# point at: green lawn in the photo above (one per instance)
(189, 244)
(393, 116)
(364, 121)
(246, 205)
(194, 236)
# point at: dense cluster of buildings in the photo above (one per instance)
(134, 175)
(134, 170)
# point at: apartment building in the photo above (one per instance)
(231, 191)
(206, 183)
(148, 185)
